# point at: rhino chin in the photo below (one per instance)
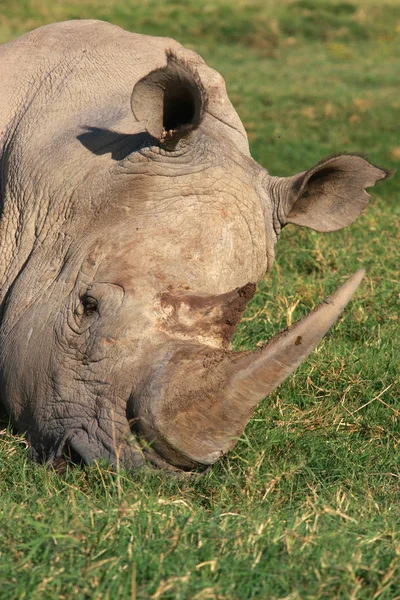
(198, 404)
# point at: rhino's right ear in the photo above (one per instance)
(171, 101)
(330, 195)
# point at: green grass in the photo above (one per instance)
(307, 506)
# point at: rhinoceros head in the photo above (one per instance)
(143, 226)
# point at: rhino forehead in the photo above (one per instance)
(206, 231)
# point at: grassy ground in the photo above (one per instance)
(308, 505)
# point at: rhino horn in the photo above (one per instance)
(287, 350)
(198, 414)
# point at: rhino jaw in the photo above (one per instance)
(198, 403)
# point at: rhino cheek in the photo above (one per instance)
(68, 391)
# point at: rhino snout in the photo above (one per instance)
(198, 402)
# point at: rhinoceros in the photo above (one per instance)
(134, 228)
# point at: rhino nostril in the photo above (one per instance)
(72, 456)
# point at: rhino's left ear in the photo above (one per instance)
(332, 194)
(171, 100)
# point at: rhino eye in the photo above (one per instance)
(89, 305)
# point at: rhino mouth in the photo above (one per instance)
(167, 464)
(197, 405)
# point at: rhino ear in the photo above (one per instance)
(171, 101)
(332, 194)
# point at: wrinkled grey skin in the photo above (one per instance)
(108, 221)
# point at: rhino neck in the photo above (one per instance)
(32, 243)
